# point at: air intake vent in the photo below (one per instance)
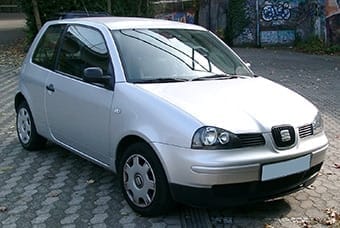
(251, 140)
(305, 131)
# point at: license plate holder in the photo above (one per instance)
(285, 168)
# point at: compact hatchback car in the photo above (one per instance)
(171, 109)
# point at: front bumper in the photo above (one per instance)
(243, 193)
(205, 168)
(237, 172)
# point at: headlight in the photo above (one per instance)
(317, 124)
(213, 138)
(209, 136)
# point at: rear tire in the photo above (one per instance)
(143, 181)
(27, 133)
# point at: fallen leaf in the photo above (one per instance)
(337, 165)
(91, 181)
(3, 209)
(54, 194)
(332, 219)
(5, 168)
(312, 187)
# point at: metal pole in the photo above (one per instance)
(258, 41)
(209, 14)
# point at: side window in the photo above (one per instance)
(83, 47)
(45, 53)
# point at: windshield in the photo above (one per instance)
(164, 55)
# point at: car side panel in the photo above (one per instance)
(32, 86)
(78, 114)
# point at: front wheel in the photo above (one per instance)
(27, 133)
(144, 183)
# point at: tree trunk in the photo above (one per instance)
(109, 6)
(36, 14)
(139, 10)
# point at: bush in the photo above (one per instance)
(315, 45)
(236, 20)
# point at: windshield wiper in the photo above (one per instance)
(215, 77)
(160, 80)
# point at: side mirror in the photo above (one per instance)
(95, 75)
(248, 65)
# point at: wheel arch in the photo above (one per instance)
(19, 97)
(129, 140)
(124, 144)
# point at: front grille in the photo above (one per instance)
(305, 131)
(251, 139)
(284, 136)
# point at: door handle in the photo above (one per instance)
(50, 87)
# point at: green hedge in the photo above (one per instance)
(237, 20)
(49, 9)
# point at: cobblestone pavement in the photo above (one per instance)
(54, 188)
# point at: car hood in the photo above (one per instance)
(241, 105)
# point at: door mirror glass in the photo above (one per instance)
(91, 73)
(95, 75)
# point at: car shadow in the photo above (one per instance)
(271, 209)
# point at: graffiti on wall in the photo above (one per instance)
(275, 11)
(281, 21)
(186, 17)
(248, 35)
(333, 21)
(278, 37)
(274, 14)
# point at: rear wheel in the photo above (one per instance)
(144, 183)
(27, 133)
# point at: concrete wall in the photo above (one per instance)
(281, 22)
(272, 22)
(212, 14)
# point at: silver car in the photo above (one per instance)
(171, 109)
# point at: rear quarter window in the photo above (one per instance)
(45, 52)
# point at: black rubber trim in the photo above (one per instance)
(243, 193)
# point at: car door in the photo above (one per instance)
(78, 113)
(34, 75)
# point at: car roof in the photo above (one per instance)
(116, 23)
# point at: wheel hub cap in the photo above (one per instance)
(24, 125)
(139, 180)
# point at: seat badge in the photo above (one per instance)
(285, 136)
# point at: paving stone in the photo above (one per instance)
(69, 219)
(72, 209)
(98, 218)
(41, 218)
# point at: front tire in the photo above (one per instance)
(27, 133)
(143, 181)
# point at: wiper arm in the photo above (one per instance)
(160, 80)
(215, 77)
